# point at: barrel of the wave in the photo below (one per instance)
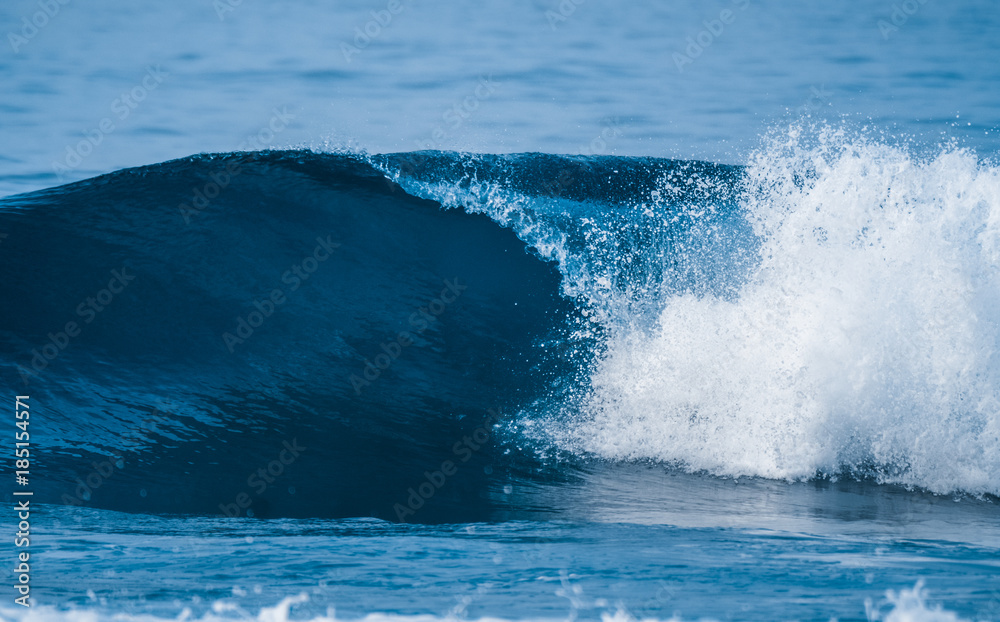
(274, 334)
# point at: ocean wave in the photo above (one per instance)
(829, 310)
(271, 334)
(371, 327)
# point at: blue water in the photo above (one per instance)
(526, 310)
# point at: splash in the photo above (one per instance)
(907, 606)
(863, 340)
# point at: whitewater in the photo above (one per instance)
(847, 326)
(863, 342)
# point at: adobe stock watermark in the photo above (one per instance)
(202, 196)
(664, 595)
(264, 477)
(224, 7)
(122, 108)
(366, 33)
(599, 145)
(275, 125)
(294, 277)
(433, 481)
(993, 610)
(565, 10)
(420, 320)
(901, 12)
(31, 26)
(102, 471)
(714, 28)
(455, 117)
(460, 610)
(818, 97)
(611, 129)
(87, 311)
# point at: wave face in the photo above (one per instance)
(357, 324)
(287, 334)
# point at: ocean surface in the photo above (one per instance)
(423, 311)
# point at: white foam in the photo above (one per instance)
(906, 606)
(910, 606)
(865, 339)
(858, 333)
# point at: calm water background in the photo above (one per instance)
(560, 76)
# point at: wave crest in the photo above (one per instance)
(863, 340)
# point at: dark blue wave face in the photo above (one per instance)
(274, 334)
